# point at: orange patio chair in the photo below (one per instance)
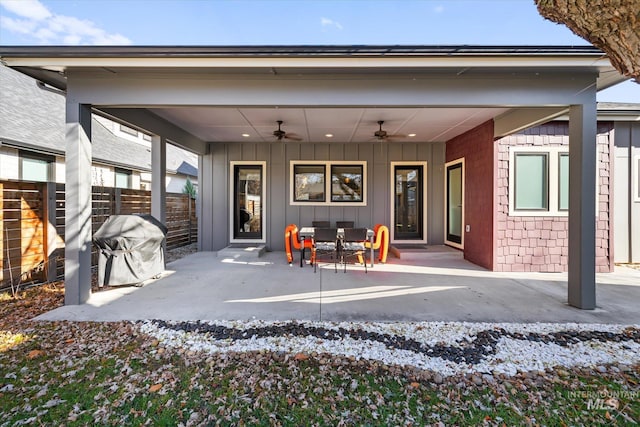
(291, 235)
(380, 242)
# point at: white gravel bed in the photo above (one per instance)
(515, 356)
(510, 356)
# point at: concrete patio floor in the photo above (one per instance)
(439, 286)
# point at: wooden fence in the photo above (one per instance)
(32, 217)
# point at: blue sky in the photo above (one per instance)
(235, 22)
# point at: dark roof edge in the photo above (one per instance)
(12, 143)
(295, 50)
(6, 142)
(121, 165)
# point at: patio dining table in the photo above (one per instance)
(308, 233)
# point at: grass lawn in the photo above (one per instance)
(85, 373)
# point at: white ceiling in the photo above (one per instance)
(218, 124)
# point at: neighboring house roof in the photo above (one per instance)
(30, 116)
(187, 169)
(618, 106)
(33, 117)
(118, 151)
(619, 111)
(181, 161)
(614, 112)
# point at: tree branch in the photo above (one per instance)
(612, 26)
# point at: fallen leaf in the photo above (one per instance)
(155, 388)
(70, 341)
(415, 384)
(291, 401)
(301, 356)
(607, 415)
(35, 353)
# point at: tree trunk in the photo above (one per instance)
(610, 25)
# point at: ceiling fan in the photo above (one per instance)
(280, 134)
(382, 134)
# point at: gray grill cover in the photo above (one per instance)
(130, 249)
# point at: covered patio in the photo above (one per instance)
(438, 286)
(222, 103)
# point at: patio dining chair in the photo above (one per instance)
(344, 224)
(321, 224)
(353, 245)
(325, 242)
(292, 241)
(380, 242)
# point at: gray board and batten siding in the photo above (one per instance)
(626, 180)
(278, 156)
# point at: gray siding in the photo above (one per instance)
(215, 200)
(626, 210)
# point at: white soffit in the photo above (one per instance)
(355, 125)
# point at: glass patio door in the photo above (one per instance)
(455, 201)
(408, 202)
(247, 221)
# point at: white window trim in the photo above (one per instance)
(464, 228)
(263, 225)
(392, 238)
(122, 171)
(636, 178)
(553, 181)
(327, 182)
(49, 161)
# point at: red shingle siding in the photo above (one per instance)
(477, 148)
(540, 243)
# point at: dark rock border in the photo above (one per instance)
(483, 344)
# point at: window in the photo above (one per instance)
(531, 181)
(36, 167)
(636, 179)
(128, 130)
(563, 182)
(346, 183)
(123, 178)
(309, 183)
(539, 181)
(327, 183)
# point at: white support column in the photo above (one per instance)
(77, 265)
(206, 198)
(582, 205)
(199, 201)
(51, 236)
(158, 178)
